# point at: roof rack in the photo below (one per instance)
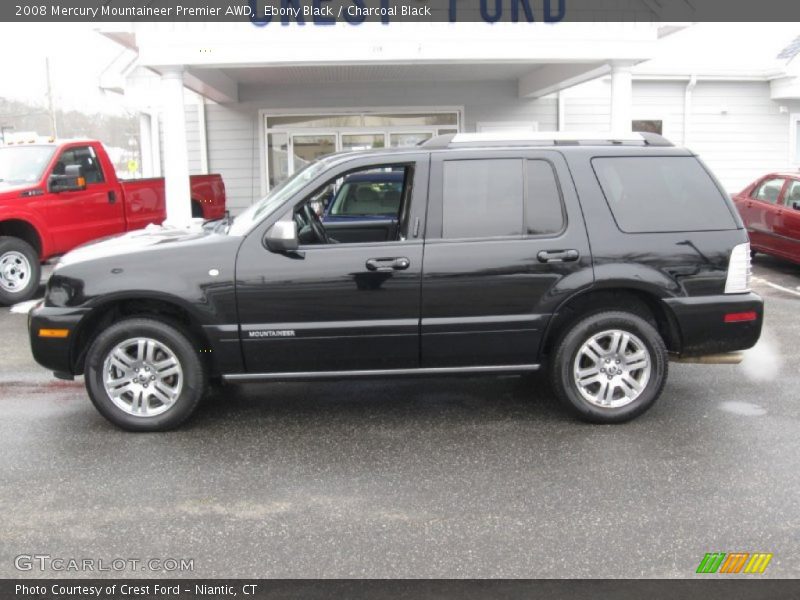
(553, 138)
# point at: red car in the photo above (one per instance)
(54, 197)
(770, 209)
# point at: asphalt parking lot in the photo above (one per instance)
(415, 478)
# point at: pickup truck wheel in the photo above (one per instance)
(20, 270)
(144, 375)
(609, 367)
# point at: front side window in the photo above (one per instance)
(362, 206)
(368, 194)
(84, 157)
(770, 190)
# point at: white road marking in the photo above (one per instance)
(776, 286)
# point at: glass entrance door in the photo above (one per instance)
(308, 147)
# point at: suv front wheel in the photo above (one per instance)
(609, 367)
(144, 375)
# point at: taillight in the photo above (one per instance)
(738, 280)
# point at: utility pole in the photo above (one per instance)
(50, 98)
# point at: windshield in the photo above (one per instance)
(265, 207)
(24, 164)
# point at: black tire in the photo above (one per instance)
(195, 379)
(197, 210)
(563, 363)
(14, 253)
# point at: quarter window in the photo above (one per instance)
(662, 193)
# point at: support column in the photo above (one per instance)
(176, 156)
(621, 98)
(146, 144)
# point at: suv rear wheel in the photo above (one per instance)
(609, 367)
(144, 375)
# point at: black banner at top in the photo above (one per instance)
(302, 13)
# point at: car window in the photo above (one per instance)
(83, 156)
(369, 195)
(543, 206)
(793, 193)
(344, 209)
(482, 198)
(662, 193)
(770, 190)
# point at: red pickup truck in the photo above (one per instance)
(54, 197)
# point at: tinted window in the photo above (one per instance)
(482, 198)
(769, 191)
(85, 158)
(543, 213)
(662, 193)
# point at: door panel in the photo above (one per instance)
(487, 301)
(338, 306)
(761, 210)
(787, 224)
(81, 216)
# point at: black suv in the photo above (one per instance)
(598, 259)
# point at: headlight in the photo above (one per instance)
(63, 291)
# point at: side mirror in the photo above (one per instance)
(71, 181)
(796, 204)
(282, 237)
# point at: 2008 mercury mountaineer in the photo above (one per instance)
(598, 259)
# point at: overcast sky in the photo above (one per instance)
(78, 55)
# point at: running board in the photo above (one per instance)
(301, 375)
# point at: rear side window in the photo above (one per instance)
(482, 198)
(662, 193)
(543, 208)
(500, 198)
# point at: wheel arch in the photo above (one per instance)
(24, 230)
(165, 309)
(627, 296)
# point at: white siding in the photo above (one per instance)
(733, 126)
(750, 139)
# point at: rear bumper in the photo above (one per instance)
(54, 352)
(703, 327)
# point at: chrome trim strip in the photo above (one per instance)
(380, 372)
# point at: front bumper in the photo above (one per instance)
(702, 323)
(54, 352)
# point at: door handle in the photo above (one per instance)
(112, 197)
(399, 263)
(551, 256)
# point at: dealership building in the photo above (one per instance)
(256, 103)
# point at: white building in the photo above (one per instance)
(264, 100)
